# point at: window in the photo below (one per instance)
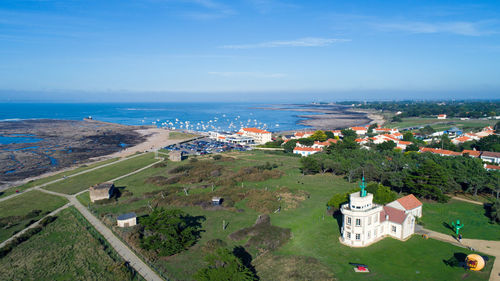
(348, 235)
(394, 228)
(358, 222)
(358, 236)
(369, 220)
(375, 233)
(369, 232)
(375, 218)
(348, 220)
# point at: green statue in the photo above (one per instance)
(457, 226)
(363, 187)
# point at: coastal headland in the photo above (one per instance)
(331, 116)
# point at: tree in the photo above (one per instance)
(319, 136)
(384, 195)
(306, 141)
(348, 133)
(224, 265)
(412, 147)
(289, 146)
(310, 165)
(429, 181)
(337, 200)
(168, 232)
(497, 128)
(396, 119)
(495, 211)
(329, 135)
(371, 127)
(408, 136)
(387, 145)
(489, 143)
(427, 130)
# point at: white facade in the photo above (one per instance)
(364, 222)
(127, 220)
(306, 151)
(260, 136)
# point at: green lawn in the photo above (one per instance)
(66, 249)
(54, 177)
(180, 136)
(437, 216)
(81, 182)
(314, 234)
(22, 205)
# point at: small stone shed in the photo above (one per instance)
(101, 191)
(216, 201)
(176, 156)
(126, 220)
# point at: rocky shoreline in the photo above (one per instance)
(58, 144)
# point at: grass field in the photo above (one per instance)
(23, 204)
(78, 183)
(438, 124)
(180, 136)
(477, 225)
(314, 234)
(64, 250)
(54, 177)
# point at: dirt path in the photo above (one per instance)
(468, 200)
(485, 246)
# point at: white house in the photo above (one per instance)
(260, 136)
(306, 151)
(493, 157)
(360, 130)
(365, 222)
(442, 116)
(126, 220)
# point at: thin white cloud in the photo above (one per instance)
(458, 27)
(247, 74)
(302, 42)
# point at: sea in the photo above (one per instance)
(201, 117)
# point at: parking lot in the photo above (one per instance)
(206, 146)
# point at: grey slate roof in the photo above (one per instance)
(126, 216)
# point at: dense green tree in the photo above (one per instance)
(348, 133)
(310, 165)
(428, 181)
(371, 127)
(337, 200)
(223, 265)
(319, 136)
(387, 145)
(489, 143)
(427, 130)
(168, 232)
(495, 211)
(408, 136)
(306, 141)
(497, 128)
(289, 146)
(329, 135)
(412, 147)
(396, 118)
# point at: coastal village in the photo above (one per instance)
(244, 187)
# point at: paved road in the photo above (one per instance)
(70, 176)
(122, 249)
(34, 224)
(484, 246)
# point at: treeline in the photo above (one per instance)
(426, 175)
(470, 109)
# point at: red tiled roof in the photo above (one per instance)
(222, 138)
(255, 130)
(442, 115)
(439, 151)
(305, 148)
(473, 153)
(358, 128)
(332, 140)
(491, 154)
(390, 137)
(404, 142)
(409, 202)
(239, 133)
(397, 134)
(462, 139)
(493, 167)
(395, 215)
(360, 140)
(301, 134)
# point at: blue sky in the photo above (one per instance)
(163, 49)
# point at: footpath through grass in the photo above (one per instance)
(19, 212)
(66, 249)
(81, 182)
(477, 225)
(82, 168)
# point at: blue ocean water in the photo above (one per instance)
(193, 116)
